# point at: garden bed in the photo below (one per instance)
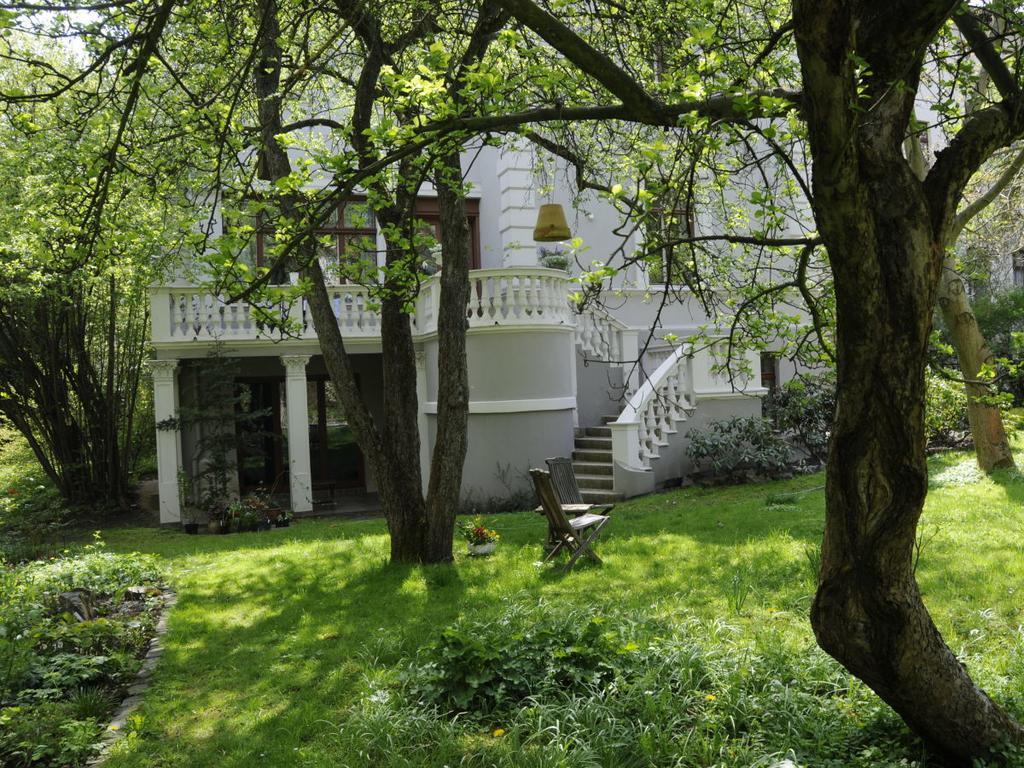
(74, 630)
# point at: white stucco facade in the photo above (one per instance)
(544, 379)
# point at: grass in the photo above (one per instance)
(286, 647)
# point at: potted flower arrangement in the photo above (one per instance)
(260, 508)
(481, 540)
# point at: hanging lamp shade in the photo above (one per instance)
(551, 226)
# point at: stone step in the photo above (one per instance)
(591, 454)
(591, 468)
(595, 482)
(600, 497)
(598, 432)
(600, 443)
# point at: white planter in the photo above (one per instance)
(482, 549)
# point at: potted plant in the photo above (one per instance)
(191, 524)
(481, 540)
(259, 507)
(283, 519)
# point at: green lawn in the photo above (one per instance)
(287, 647)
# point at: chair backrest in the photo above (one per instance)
(549, 501)
(564, 479)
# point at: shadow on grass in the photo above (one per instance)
(277, 636)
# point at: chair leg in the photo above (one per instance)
(558, 547)
(583, 546)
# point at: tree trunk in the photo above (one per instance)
(401, 493)
(991, 446)
(972, 351)
(885, 241)
(453, 381)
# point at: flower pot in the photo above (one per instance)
(214, 526)
(282, 522)
(264, 525)
(191, 528)
(478, 550)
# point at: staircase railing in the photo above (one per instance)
(604, 338)
(652, 412)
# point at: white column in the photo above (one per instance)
(299, 474)
(422, 423)
(168, 441)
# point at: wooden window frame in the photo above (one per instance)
(426, 208)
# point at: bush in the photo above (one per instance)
(58, 676)
(802, 410)
(45, 734)
(31, 512)
(737, 446)
(945, 411)
(484, 667)
(1001, 321)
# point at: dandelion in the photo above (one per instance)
(710, 697)
(498, 732)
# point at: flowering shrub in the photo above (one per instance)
(475, 533)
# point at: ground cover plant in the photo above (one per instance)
(62, 675)
(690, 646)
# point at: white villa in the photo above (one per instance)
(544, 380)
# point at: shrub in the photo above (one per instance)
(802, 410)
(31, 512)
(45, 735)
(945, 412)
(482, 667)
(59, 677)
(734, 446)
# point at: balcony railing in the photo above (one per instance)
(498, 297)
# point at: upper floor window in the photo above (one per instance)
(347, 239)
(1018, 269)
(669, 262)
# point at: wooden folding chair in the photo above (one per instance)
(563, 477)
(577, 534)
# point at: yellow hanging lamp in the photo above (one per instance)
(551, 226)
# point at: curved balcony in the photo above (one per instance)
(498, 297)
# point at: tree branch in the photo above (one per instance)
(590, 60)
(986, 53)
(1009, 174)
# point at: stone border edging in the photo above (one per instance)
(114, 731)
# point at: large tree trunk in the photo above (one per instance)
(972, 351)
(453, 381)
(886, 251)
(401, 488)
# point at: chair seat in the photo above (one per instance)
(585, 521)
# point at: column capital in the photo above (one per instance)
(162, 370)
(421, 358)
(295, 365)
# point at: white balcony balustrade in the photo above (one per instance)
(498, 297)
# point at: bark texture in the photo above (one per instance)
(885, 231)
